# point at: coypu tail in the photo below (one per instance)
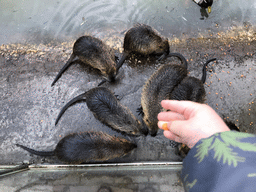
(102, 82)
(180, 57)
(64, 68)
(204, 69)
(71, 102)
(121, 61)
(40, 153)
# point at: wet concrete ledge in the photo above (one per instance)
(30, 105)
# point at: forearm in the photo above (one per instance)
(225, 161)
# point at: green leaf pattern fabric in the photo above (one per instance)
(225, 161)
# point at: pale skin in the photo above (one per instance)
(187, 122)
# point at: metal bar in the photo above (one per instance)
(114, 166)
(16, 169)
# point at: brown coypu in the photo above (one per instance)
(191, 88)
(77, 148)
(107, 109)
(94, 52)
(143, 39)
(169, 82)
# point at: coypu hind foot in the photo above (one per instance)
(77, 148)
(92, 51)
(143, 39)
(108, 110)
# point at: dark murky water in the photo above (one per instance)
(42, 21)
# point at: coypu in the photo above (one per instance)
(85, 147)
(169, 82)
(107, 109)
(143, 39)
(157, 88)
(94, 52)
(204, 4)
(191, 88)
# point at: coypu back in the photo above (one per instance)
(85, 147)
(190, 88)
(97, 54)
(92, 51)
(107, 109)
(144, 40)
(157, 88)
(91, 146)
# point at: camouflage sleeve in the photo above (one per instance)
(225, 161)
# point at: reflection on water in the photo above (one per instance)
(58, 19)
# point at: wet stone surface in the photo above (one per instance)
(30, 105)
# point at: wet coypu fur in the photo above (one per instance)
(144, 40)
(92, 51)
(169, 82)
(77, 148)
(107, 109)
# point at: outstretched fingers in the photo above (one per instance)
(185, 108)
(170, 116)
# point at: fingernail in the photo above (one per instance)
(164, 127)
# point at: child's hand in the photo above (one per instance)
(187, 122)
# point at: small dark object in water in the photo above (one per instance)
(107, 109)
(77, 148)
(205, 4)
(169, 82)
(143, 39)
(94, 52)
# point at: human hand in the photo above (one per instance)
(187, 122)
